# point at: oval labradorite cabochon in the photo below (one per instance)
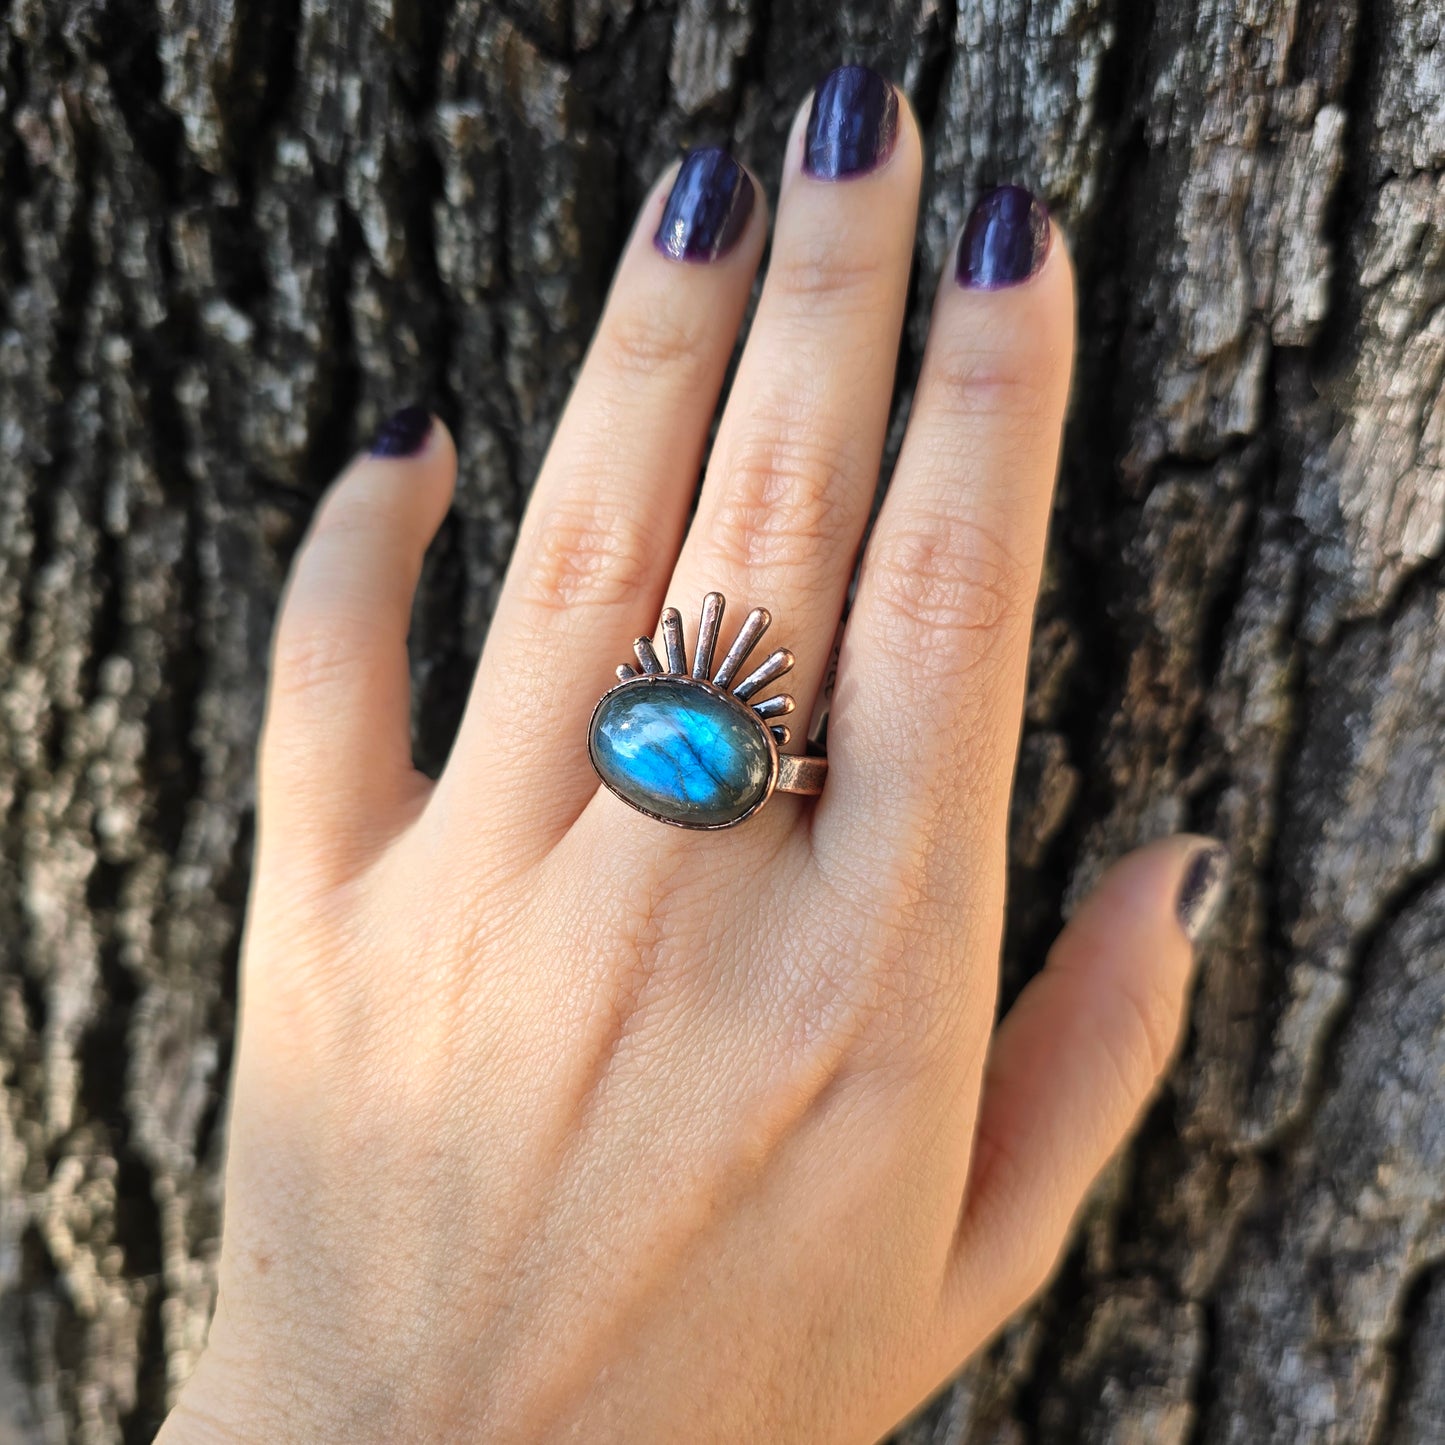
(678, 749)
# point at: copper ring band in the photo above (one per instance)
(802, 775)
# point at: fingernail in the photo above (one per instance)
(852, 125)
(707, 208)
(1005, 240)
(1202, 888)
(403, 433)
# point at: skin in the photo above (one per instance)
(552, 1123)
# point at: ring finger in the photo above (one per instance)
(795, 465)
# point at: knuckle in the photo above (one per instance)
(353, 512)
(647, 339)
(987, 375)
(1135, 1019)
(310, 652)
(940, 580)
(816, 269)
(587, 553)
(786, 503)
(1143, 1048)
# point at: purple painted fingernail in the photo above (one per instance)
(1005, 240)
(403, 433)
(853, 124)
(1202, 888)
(707, 208)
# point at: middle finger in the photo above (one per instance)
(796, 461)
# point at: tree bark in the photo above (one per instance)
(235, 234)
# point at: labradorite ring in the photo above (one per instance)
(693, 750)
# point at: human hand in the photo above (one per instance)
(549, 1121)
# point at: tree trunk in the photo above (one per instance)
(235, 234)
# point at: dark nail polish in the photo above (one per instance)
(1202, 888)
(852, 125)
(403, 433)
(1005, 240)
(707, 208)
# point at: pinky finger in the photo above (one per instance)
(1076, 1060)
(336, 774)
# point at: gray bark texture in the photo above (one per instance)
(234, 234)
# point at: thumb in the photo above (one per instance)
(1077, 1057)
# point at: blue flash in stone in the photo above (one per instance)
(676, 749)
(681, 747)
